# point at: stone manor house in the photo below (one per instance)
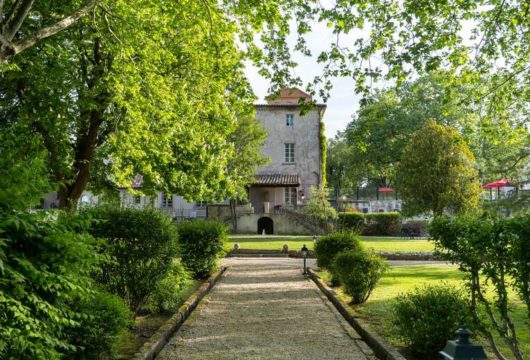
(281, 187)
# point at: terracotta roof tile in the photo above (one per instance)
(276, 180)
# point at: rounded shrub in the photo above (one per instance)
(201, 243)
(327, 247)
(142, 245)
(358, 271)
(429, 316)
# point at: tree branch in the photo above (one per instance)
(48, 31)
(16, 18)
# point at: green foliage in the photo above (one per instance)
(351, 221)
(327, 247)
(168, 292)
(45, 275)
(343, 172)
(201, 243)
(358, 271)
(371, 224)
(107, 109)
(323, 151)
(23, 172)
(106, 321)
(142, 244)
(494, 255)
(437, 173)
(319, 207)
(382, 224)
(429, 316)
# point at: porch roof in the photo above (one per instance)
(276, 180)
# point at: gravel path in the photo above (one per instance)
(265, 309)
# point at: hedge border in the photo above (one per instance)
(156, 343)
(381, 349)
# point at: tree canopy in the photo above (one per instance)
(157, 89)
(437, 173)
(497, 134)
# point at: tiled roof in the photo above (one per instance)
(276, 180)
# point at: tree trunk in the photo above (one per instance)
(88, 137)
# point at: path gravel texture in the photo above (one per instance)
(265, 309)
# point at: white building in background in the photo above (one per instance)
(173, 205)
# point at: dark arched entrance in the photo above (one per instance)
(265, 223)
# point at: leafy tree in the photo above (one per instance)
(319, 209)
(380, 130)
(494, 254)
(436, 172)
(128, 91)
(343, 174)
(24, 23)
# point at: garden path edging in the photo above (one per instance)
(381, 349)
(156, 343)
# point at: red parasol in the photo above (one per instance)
(498, 184)
(385, 189)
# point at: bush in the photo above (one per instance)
(429, 316)
(106, 322)
(494, 254)
(45, 271)
(382, 224)
(358, 271)
(351, 221)
(168, 292)
(142, 244)
(327, 247)
(201, 243)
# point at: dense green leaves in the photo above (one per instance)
(437, 173)
(359, 272)
(142, 244)
(493, 254)
(46, 291)
(428, 317)
(201, 244)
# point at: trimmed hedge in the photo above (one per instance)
(327, 247)
(352, 221)
(358, 271)
(371, 224)
(142, 245)
(201, 243)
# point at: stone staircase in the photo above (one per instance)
(304, 220)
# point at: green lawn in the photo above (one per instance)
(378, 310)
(268, 242)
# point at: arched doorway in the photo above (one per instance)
(265, 223)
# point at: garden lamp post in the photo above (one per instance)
(305, 250)
(463, 348)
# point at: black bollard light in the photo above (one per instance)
(305, 250)
(463, 348)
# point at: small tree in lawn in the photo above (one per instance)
(319, 208)
(437, 173)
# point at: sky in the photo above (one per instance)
(342, 103)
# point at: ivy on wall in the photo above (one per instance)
(323, 151)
